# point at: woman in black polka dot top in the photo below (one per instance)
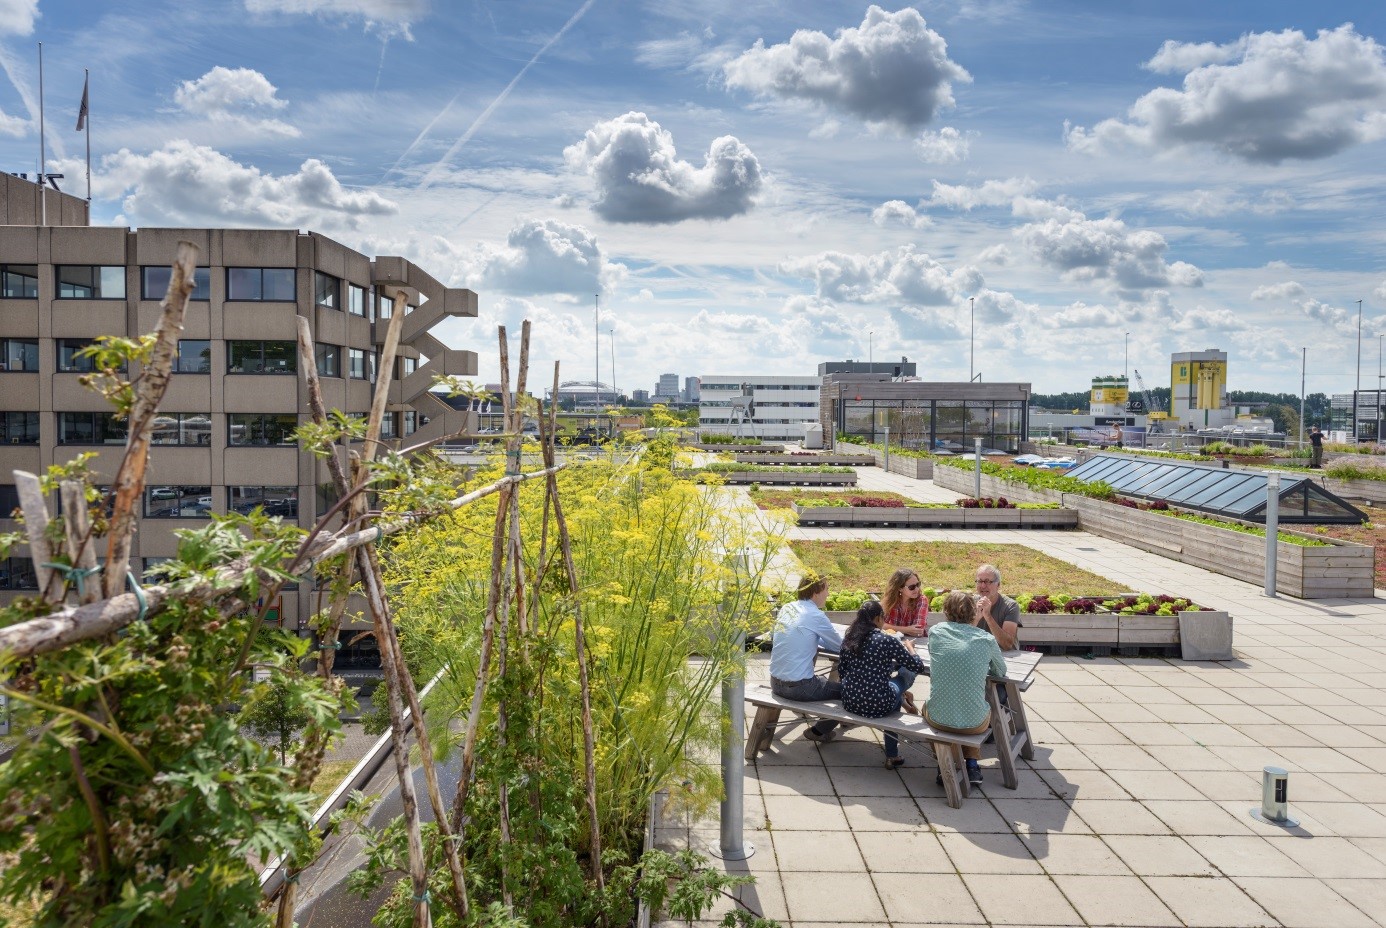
(877, 672)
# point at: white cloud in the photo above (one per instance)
(390, 18)
(892, 70)
(1080, 315)
(17, 16)
(1380, 292)
(192, 185)
(946, 146)
(899, 276)
(236, 96)
(1283, 96)
(544, 256)
(1215, 203)
(1175, 57)
(899, 211)
(639, 178)
(1202, 319)
(999, 255)
(989, 193)
(13, 125)
(1295, 294)
(1106, 249)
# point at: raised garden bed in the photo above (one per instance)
(785, 477)
(1332, 570)
(950, 517)
(914, 466)
(808, 460)
(739, 449)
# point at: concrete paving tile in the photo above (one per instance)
(1088, 784)
(1375, 758)
(846, 897)
(1119, 817)
(903, 852)
(806, 851)
(805, 813)
(1119, 757)
(1304, 903)
(989, 853)
(875, 813)
(798, 780)
(1279, 735)
(1367, 894)
(1305, 715)
(1177, 714)
(1018, 899)
(1348, 819)
(1039, 816)
(1324, 787)
(926, 899)
(1075, 854)
(1225, 784)
(1376, 847)
(1362, 787)
(1123, 714)
(1186, 756)
(1061, 711)
(1345, 736)
(1200, 817)
(1028, 784)
(1254, 758)
(1154, 784)
(1160, 855)
(1115, 900)
(1062, 757)
(977, 816)
(1247, 855)
(1214, 734)
(868, 781)
(1330, 857)
(1147, 734)
(1156, 695)
(1240, 714)
(1085, 733)
(1322, 760)
(1210, 903)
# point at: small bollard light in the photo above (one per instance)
(1275, 799)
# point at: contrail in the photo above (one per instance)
(500, 98)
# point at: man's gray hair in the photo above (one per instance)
(991, 568)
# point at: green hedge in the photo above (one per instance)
(1035, 478)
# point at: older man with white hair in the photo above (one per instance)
(996, 612)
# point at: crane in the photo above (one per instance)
(1154, 414)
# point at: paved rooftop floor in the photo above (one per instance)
(1135, 809)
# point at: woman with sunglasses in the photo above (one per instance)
(906, 608)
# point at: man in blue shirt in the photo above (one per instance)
(800, 630)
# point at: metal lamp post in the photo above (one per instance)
(1356, 429)
(972, 342)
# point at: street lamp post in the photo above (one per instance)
(972, 342)
(1378, 387)
(1303, 362)
(615, 394)
(1356, 430)
(871, 352)
(1126, 364)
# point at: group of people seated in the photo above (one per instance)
(877, 659)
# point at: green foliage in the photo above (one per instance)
(717, 438)
(1350, 470)
(1036, 478)
(844, 600)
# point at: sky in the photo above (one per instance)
(1033, 191)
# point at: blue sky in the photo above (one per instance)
(761, 186)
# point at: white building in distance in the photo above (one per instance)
(780, 406)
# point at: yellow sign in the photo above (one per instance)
(1199, 383)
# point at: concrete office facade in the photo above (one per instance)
(923, 415)
(223, 440)
(783, 405)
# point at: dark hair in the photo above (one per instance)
(959, 607)
(862, 626)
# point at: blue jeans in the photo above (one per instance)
(809, 690)
(899, 683)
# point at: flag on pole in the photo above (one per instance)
(82, 110)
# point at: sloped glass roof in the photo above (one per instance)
(1236, 494)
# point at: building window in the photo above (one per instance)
(178, 502)
(71, 361)
(407, 366)
(387, 426)
(150, 576)
(194, 356)
(261, 428)
(91, 282)
(91, 428)
(329, 360)
(360, 364)
(18, 354)
(276, 501)
(9, 500)
(19, 428)
(384, 305)
(154, 283)
(19, 281)
(17, 573)
(356, 300)
(326, 290)
(261, 358)
(182, 428)
(411, 421)
(260, 284)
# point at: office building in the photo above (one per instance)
(691, 393)
(778, 407)
(925, 416)
(668, 388)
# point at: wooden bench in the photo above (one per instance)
(911, 728)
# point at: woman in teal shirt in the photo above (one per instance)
(961, 656)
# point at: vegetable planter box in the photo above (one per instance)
(741, 449)
(936, 518)
(1199, 636)
(788, 478)
(808, 460)
(1334, 570)
(904, 465)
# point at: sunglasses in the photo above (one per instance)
(911, 586)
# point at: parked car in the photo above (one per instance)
(205, 501)
(164, 493)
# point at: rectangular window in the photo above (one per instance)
(356, 300)
(194, 356)
(260, 284)
(326, 290)
(261, 357)
(182, 428)
(178, 502)
(19, 428)
(91, 428)
(19, 354)
(384, 305)
(411, 421)
(387, 426)
(360, 364)
(261, 428)
(17, 573)
(275, 501)
(9, 500)
(407, 366)
(91, 282)
(19, 281)
(154, 283)
(70, 360)
(329, 360)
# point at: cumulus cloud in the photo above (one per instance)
(390, 18)
(946, 146)
(1204, 319)
(17, 16)
(193, 185)
(639, 178)
(899, 276)
(1214, 203)
(899, 211)
(989, 193)
(545, 256)
(1293, 293)
(1086, 249)
(234, 95)
(1380, 292)
(16, 126)
(892, 70)
(1080, 315)
(1266, 98)
(999, 255)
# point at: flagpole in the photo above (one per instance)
(86, 119)
(43, 149)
